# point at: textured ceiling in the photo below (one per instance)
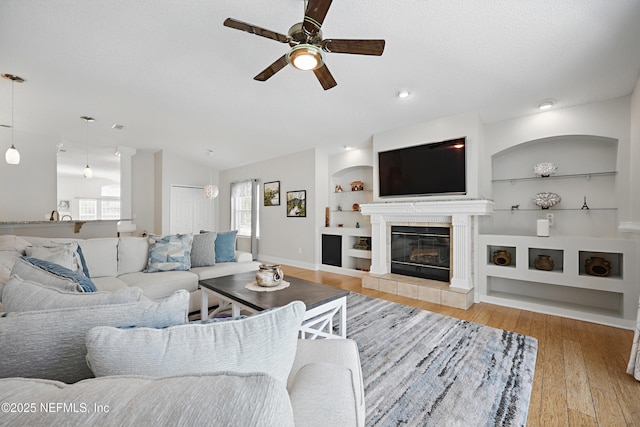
(176, 78)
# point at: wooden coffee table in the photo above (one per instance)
(323, 302)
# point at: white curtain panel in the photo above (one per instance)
(634, 360)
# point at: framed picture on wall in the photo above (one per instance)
(297, 203)
(272, 193)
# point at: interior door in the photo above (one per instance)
(190, 210)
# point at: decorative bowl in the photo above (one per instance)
(545, 169)
(269, 275)
(546, 200)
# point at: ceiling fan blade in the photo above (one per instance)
(258, 31)
(314, 16)
(324, 77)
(272, 69)
(358, 47)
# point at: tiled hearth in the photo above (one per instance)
(420, 289)
(459, 214)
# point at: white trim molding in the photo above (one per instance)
(458, 213)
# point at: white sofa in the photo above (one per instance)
(118, 262)
(153, 368)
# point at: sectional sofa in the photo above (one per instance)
(118, 262)
(126, 353)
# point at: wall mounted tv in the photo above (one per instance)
(428, 169)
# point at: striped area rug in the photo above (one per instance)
(426, 369)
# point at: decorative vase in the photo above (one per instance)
(502, 257)
(269, 275)
(597, 266)
(543, 263)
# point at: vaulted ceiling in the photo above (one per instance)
(177, 79)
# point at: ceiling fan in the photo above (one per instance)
(307, 45)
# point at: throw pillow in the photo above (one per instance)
(265, 342)
(25, 295)
(50, 274)
(68, 255)
(226, 246)
(169, 253)
(203, 250)
(50, 344)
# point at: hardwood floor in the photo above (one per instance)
(580, 377)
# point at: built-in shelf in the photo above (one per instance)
(573, 287)
(554, 209)
(587, 176)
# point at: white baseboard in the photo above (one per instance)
(285, 261)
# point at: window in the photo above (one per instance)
(88, 209)
(242, 206)
(110, 209)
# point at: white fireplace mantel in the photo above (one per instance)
(457, 212)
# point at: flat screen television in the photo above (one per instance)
(428, 169)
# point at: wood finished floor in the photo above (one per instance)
(580, 377)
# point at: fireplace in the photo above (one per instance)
(423, 252)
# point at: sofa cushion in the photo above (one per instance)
(265, 342)
(196, 400)
(25, 295)
(225, 269)
(155, 285)
(133, 254)
(226, 246)
(50, 274)
(169, 253)
(314, 396)
(203, 250)
(108, 283)
(101, 255)
(10, 242)
(50, 344)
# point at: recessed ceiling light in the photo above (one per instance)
(347, 147)
(403, 93)
(546, 104)
(117, 126)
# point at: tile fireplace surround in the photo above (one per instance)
(459, 214)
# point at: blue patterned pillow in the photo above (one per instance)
(169, 253)
(226, 246)
(64, 273)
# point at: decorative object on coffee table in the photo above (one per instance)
(545, 169)
(597, 266)
(502, 257)
(269, 275)
(543, 262)
(546, 200)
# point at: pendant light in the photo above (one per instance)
(211, 191)
(88, 173)
(12, 156)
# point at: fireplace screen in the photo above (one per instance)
(421, 252)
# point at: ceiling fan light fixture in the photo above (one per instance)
(306, 57)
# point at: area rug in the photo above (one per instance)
(426, 369)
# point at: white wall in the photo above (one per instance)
(468, 125)
(28, 190)
(634, 189)
(282, 239)
(142, 191)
